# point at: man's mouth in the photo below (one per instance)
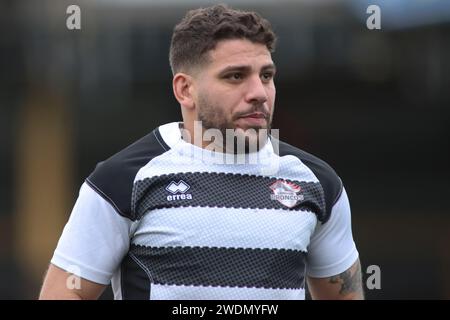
(255, 115)
(254, 119)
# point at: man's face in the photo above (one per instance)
(235, 89)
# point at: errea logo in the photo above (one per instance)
(178, 190)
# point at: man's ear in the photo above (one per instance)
(182, 85)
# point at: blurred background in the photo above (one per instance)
(375, 104)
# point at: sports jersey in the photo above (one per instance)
(164, 219)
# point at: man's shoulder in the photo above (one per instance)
(133, 156)
(313, 162)
(327, 176)
(113, 178)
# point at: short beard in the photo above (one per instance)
(212, 117)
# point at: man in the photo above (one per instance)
(176, 216)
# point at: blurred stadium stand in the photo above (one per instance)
(375, 104)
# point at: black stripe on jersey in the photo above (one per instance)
(113, 178)
(222, 267)
(224, 190)
(329, 180)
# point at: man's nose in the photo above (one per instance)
(256, 91)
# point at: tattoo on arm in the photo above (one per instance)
(350, 281)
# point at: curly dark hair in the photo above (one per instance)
(201, 29)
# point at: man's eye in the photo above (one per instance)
(235, 76)
(267, 75)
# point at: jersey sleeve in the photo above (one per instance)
(332, 250)
(94, 240)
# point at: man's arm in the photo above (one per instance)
(344, 286)
(57, 286)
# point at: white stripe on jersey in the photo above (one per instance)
(174, 292)
(230, 228)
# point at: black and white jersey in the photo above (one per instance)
(164, 219)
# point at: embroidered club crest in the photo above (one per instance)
(286, 193)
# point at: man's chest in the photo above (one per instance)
(225, 210)
(225, 190)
